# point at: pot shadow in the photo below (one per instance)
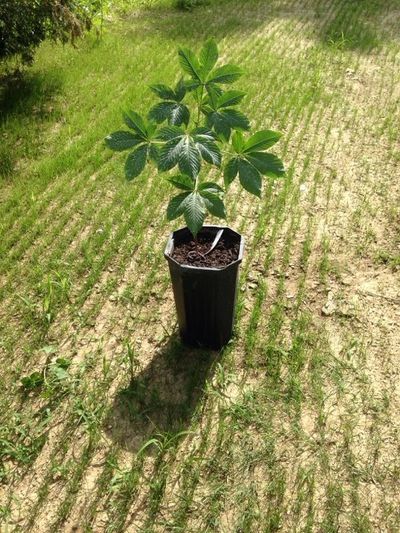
(161, 399)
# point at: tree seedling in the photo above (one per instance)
(197, 123)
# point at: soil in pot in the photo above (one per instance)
(194, 253)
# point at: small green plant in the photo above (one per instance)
(203, 126)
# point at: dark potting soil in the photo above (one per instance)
(192, 252)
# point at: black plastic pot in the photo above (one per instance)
(204, 297)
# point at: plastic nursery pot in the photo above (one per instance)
(205, 298)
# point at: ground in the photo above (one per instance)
(108, 423)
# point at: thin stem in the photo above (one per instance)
(200, 101)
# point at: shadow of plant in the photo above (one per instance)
(162, 398)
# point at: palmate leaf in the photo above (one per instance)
(176, 113)
(238, 142)
(230, 98)
(213, 203)
(136, 161)
(175, 206)
(170, 133)
(208, 56)
(225, 74)
(122, 140)
(225, 120)
(190, 64)
(134, 121)
(250, 168)
(183, 182)
(267, 164)
(163, 91)
(169, 153)
(179, 115)
(193, 205)
(261, 141)
(189, 157)
(210, 186)
(167, 93)
(187, 150)
(194, 211)
(251, 163)
(208, 148)
(249, 177)
(180, 90)
(231, 171)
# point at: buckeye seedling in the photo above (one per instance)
(197, 123)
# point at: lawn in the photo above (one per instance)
(107, 422)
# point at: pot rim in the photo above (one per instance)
(170, 244)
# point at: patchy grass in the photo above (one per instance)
(108, 423)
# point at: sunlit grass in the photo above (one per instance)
(130, 431)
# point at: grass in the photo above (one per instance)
(108, 423)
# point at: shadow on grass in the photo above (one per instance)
(353, 24)
(26, 93)
(25, 101)
(162, 398)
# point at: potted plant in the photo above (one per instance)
(194, 124)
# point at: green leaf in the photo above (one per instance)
(225, 120)
(210, 186)
(63, 363)
(176, 206)
(136, 123)
(214, 204)
(175, 113)
(59, 373)
(189, 157)
(209, 56)
(122, 140)
(180, 90)
(205, 143)
(267, 164)
(160, 112)
(34, 380)
(169, 154)
(235, 119)
(230, 98)
(190, 64)
(214, 92)
(194, 211)
(151, 130)
(231, 170)
(238, 141)
(220, 125)
(262, 140)
(153, 152)
(170, 133)
(192, 85)
(179, 115)
(226, 74)
(250, 178)
(136, 162)
(181, 181)
(163, 91)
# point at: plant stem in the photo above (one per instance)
(199, 106)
